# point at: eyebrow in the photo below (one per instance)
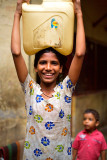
(43, 60)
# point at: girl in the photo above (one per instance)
(48, 106)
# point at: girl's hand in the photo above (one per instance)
(77, 7)
(19, 6)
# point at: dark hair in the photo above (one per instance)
(62, 59)
(94, 112)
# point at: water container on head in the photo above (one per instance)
(49, 24)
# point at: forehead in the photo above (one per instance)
(89, 115)
(49, 56)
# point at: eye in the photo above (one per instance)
(84, 119)
(42, 62)
(90, 119)
(54, 62)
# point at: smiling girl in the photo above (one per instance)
(48, 105)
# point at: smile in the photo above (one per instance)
(48, 75)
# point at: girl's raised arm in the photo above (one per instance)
(77, 61)
(16, 44)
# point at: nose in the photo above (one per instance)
(48, 66)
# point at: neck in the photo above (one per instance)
(48, 88)
(90, 131)
(47, 96)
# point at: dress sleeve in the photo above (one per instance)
(23, 85)
(28, 84)
(68, 86)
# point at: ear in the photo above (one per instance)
(61, 68)
(36, 69)
(97, 123)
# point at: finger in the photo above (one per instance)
(27, 1)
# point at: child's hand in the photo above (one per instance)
(77, 6)
(19, 6)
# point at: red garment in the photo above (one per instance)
(89, 146)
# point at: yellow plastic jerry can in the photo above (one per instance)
(49, 24)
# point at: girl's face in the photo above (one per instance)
(90, 122)
(48, 68)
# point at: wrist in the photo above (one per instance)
(19, 8)
(79, 14)
(17, 14)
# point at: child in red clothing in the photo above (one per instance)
(89, 143)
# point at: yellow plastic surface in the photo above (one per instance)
(50, 24)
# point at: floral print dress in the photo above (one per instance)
(48, 135)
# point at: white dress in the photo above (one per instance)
(48, 134)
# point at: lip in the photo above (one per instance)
(86, 126)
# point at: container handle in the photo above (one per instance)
(29, 1)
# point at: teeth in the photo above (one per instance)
(48, 74)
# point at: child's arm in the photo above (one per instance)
(103, 155)
(77, 61)
(74, 154)
(16, 44)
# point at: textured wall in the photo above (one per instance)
(12, 112)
